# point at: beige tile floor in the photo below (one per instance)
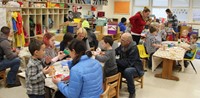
(187, 87)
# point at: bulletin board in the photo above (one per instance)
(121, 7)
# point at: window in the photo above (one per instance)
(136, 9)
(180, 3)
(159, 12)
(196, 15)
(181, 13)
(141, 2)
(160, 2)
(196, 3)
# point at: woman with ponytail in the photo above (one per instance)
(86, 76)
(138, 21)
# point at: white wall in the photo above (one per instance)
(109, 10)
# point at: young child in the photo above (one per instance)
(184, 36)
(122, 25)
(159, 34)
(110, 67)
(35, 72)
(50, 49)
(163, 32)
(170, 32)
(191, 49)
(151, 44)
(67, 38)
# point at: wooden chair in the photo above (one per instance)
(114, 82)
(3, 75)
(138, 80)
(105, 93)
(190, 60)
(143, 55)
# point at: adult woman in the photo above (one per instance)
(173, 19)
(81, 34)
(86, 76)
(138, 21)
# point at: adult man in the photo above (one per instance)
(129, 63)
(8, 59)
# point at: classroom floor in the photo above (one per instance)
(187, 87)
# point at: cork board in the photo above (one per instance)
(121, 7)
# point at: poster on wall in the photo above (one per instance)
(121, 7)
(3, 17)
(181, 13)
(196, 15)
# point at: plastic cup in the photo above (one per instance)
(66, 52)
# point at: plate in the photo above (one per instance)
(48, 76)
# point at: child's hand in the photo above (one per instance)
(61, 55)
(46, 70)
(102, 53)
(47, 59)
(17, 51)
(55, 80)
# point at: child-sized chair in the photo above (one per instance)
(143, 55)
(190, 60)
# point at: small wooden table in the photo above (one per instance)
(168, 56)
(167, 70)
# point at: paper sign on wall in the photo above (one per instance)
(3, 17)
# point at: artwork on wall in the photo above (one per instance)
(121, 7)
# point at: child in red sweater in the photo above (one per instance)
(184, 36)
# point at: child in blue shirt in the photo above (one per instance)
(122, 25)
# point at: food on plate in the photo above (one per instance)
(53, 71)
(63, 77)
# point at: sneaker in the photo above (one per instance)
(131, 96)
(186, 63)
(13, 85)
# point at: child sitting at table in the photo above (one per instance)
(191, 49)
(170, 32)
(35, 73)
(151, 44)
(67, 38)
(50, 49)
(184, 36)
(163, 32)
(110, 67)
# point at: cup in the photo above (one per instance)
(66, 52)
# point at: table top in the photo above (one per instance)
(173, 53)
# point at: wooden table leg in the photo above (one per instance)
(167, 70)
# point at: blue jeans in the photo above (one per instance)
(36, 96)
(14, 66)
(129, 74)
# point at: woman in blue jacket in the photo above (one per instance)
(86, 76)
